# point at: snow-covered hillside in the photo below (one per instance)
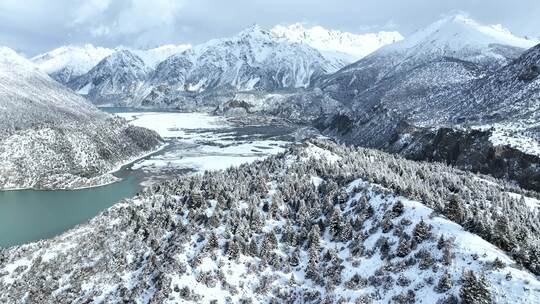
(52, 138)
(472, 48)
(454, 71)
(68, 62)
(115, 78)
(345, 46)
(320, 223)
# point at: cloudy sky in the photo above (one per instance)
(34, 26)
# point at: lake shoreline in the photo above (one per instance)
(116, 169)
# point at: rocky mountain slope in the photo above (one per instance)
(116, 77)
(512, 91)
(52, 138)
(343, 46)
(450, 51)
(253, 60)
(320, 223)
(455, 74)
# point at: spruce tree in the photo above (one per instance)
(474, 290)
(404, 248)
(336, 222)
(314, 238)
(312, 268)
(253, 249)
(445, 283)
(346, 232)
(233, 250)
(454, 210)
(422, 232)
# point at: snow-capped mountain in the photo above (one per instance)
(68, 62)
(52, 138)
(321, 223)
(334, 44)
(114, 78)
(253, 59)
(472, 50)
(420, 97)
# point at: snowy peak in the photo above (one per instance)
(350, 46)
(459, 32)
(254, 59)
(67, 62)
(152, 57)
(115, 77)
(255, 32)
(122, 59)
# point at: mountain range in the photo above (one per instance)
(394, 97)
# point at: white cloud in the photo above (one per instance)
(89, 9)
(38, 25)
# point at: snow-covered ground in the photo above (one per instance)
(172, 124)
(513, 135)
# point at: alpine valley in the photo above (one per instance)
(351, 168)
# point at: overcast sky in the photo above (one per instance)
(34, 26)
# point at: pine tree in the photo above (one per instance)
(253, 249)
(336, 222)
(422, 232)
(474, 290)
(256, 221)
(268, 245)
(448, 256)
(404, 248)
(498, 263)
(314, 238)
(233, 250)
(294, 259)
(385, 247)
(274, 209)
(454, 210)
(441, 243)
(346, 232)
(445, 283)
(312, 268)
(213, 241)
(398, 209)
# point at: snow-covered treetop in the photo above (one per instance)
(350, 46)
